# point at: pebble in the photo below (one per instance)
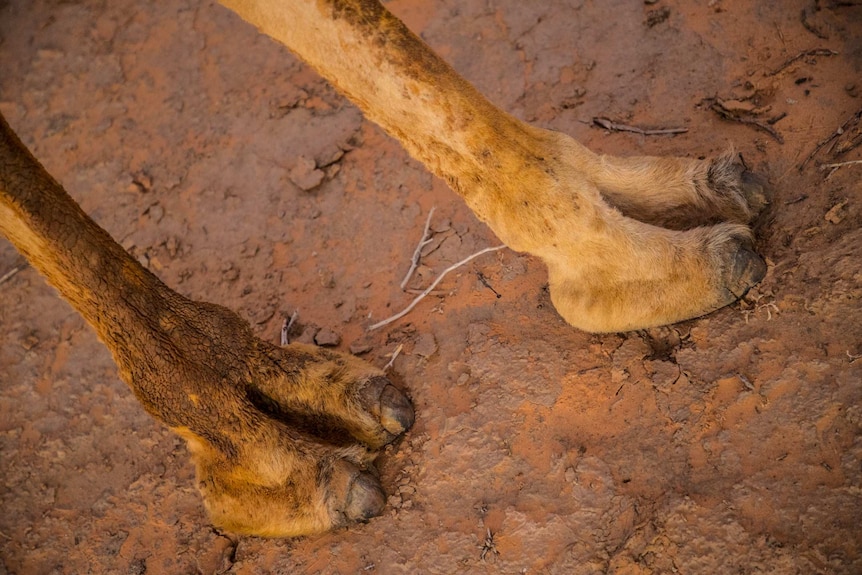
(327, 338)
(359, 348)
(836, 214)
(305, 174)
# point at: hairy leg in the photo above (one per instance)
(604, 226)
(283, 439)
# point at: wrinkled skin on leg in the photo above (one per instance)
(283, 439)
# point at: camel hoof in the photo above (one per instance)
(389, 404)
(365, 498)
(746, 271)
(755, 191)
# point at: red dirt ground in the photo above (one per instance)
(728, 444)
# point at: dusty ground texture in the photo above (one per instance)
(728, 444)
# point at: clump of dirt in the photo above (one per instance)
(726, 444)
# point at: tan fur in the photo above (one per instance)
(614, 232)
(283, 438)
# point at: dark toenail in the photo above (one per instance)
(396, 412)
(748, 269)
(365, 499)
(755, 190)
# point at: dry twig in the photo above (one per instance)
(430, 288)
(717, 106)
(615, 127)
(803, 54)
(8, 275)
(839, 164)
(285, 327)
(395, 353)
(837, 133)
(417, 254)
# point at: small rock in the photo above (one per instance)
(305, 174)
(327, 338)
(359, 348)
(328, 156)
(141, 182)
(332, 171)
(837, 213)
(308, 335)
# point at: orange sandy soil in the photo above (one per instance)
(727, 444)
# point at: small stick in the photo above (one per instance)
(839, 164)
(719, 109)
(803, 54)
(488, 546)
(615, 127)
(417, 254)
(8, 275)
(776, 119)
(395, 353)
(285, 327)
(834, 135)
(430, 288)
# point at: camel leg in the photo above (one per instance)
(283, 439)
(598, 223)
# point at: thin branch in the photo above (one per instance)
(719, 108)
(430, 288)
(834, 135)
(615, 127)
(803, 54)
(285, 327)
(417, 254)
(839, 164)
